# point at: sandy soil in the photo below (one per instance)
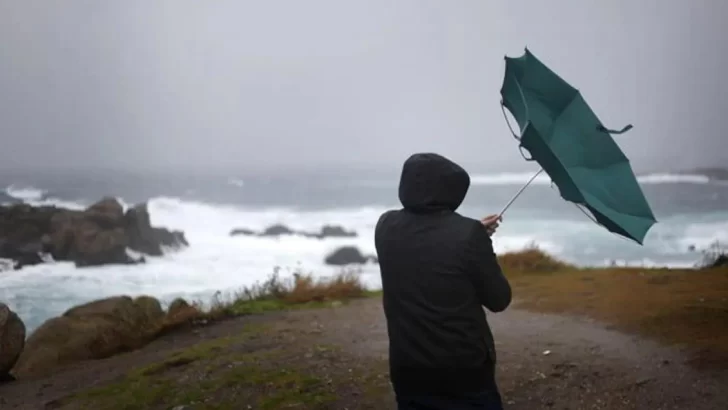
(545, 362)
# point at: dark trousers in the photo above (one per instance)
(487, 400)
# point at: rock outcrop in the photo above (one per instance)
(12, 341)
(327, 231)
(99, 235)
(348, 255)
(145, 238)
(94, 330)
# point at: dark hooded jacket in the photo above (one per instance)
(438, 270)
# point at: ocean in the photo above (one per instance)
(692, 210)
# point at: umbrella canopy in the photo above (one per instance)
(561, 132)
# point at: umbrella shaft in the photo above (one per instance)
(520, 191)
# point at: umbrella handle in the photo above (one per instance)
(520, 191)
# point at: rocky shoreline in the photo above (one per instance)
(327, 231)
(341, 256)
(93, 330)
(101, 234)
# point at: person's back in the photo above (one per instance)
(438, 270)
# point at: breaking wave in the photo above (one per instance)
(517, 178)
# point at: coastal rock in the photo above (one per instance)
(335, 231)
(180, 312)
(277, 230)
(94, 330)
(22, 255)
(242, 232)
(99, 235)
(92, 237)
(327, 231)
(348, 255)
(12, 341)
(22, 229)
(106, 213)
(145, 238)
(177, 306)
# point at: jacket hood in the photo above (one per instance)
(431, 182)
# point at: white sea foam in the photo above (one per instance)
(24, 193)
(518, 178)
(509, 178)
(664, 178)
(38, 197)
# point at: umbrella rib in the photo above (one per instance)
(594, 220)
(601, 168)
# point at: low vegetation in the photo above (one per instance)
(716, 255)
(277, 293)
(227, 373)
(684, 307)
(532, 260)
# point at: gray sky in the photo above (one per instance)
(253, 85)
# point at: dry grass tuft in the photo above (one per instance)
(346, 285)
(531, 260)
(275, 293)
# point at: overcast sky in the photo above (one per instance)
(254, 85)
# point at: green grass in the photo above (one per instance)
(214, 374)
(147, 389)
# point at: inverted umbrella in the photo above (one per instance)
(564, 136)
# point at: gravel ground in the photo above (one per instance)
(545, 362)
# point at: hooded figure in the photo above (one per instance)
(438, 271)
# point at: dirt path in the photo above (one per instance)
(586, 366)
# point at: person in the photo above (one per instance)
(438, 271)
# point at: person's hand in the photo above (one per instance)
(491, 223)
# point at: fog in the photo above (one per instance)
(256, 86)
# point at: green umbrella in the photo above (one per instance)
(561, 132)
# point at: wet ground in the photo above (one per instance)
(545, 362)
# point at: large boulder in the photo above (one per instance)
(101, 234)
(94, 330)
(107, 213)
(22, 254)
(12, 340)
(277, 230)
(22, 229)
(92, 237)
(242, 232)
(348, 255)
(335, 231)
(145, 238)
(94, 246)
(180, 312)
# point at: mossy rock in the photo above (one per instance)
(94, 330)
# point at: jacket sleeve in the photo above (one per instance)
(491, 286)
(378, 229)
